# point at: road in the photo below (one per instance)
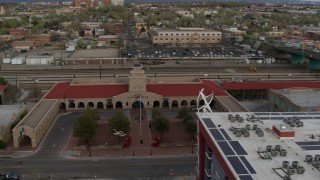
(126, 168)
(47, 162)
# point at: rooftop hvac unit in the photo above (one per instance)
(260, 133)
(238, 133)
(246, 134)
(287, 178)
(248, 126)
(317, 158)
(231, 128)
(240, 119)
(295, 164)
(257, 130)
(233, 119)
(292, 124)
(316, 164)
(268, 148)
(283, 152)
(255, 126)
(308, 158)
(230, 116)
(237, 116)
(274, 153)
(277, 148)
(300, 170)
(285, 164)
(291, 171)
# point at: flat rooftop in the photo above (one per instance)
(35, 116)
(301, 97)
(241, 153)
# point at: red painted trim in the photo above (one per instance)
(219, 156)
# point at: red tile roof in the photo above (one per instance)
(3, 87)
(186, 89)
(268, 85)
(65, 90)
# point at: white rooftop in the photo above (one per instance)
(252, 144)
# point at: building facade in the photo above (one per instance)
(186, 36)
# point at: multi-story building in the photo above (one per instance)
(186, 36)
(233, 32)
(96, 3)
(41, 38)
(259, 146)
(18, 32)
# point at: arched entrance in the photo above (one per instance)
(90, 104)
(137, 104)
(118, 105)
(184, 103)
(175, 104)
(80, 105)
(72, 105)
(99, 105)
(156, 104)
(165, 104)
(62, 106)
(110, 105)
(193, 103)
(25, 141)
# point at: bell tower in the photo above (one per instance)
(137, 79)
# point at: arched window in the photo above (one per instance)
(184, 103)
(90, 104)
(156, 104)
(100, 105)
(118, 105)
(80, 105)
(175, 103)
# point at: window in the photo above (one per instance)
(177, 34)
(155, 38)
(213, 34)
(171, 34)
(203, 34)
(282, 104)
(160, 38)
(187, 38)
(195, 38)
(187, 34)
(161, 34)
(166, 34)
(166, 38)
(182, 34)
(171, 38)
(202, 38)
(177, 38)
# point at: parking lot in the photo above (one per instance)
(190, 52)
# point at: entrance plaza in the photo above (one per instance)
(119, 93)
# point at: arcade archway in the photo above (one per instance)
(118, 105)
(137, 104)
(110, 105)
(156, 104)
(100, 105)
(25, 141)
(175, 104)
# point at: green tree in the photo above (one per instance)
(186, 118)
(191, 128)
(182, 112)
(120, 122)
(86, 126)
(160, 123)
(3, 81)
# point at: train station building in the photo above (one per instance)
(131, 92)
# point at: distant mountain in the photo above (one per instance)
(167, 1)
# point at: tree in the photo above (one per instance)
(159, 122)
(120, 122)
(86, 126)
(188, 117)
(182, 112)
(191, 128)
(3, 81)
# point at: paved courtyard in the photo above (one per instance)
(105, 144)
